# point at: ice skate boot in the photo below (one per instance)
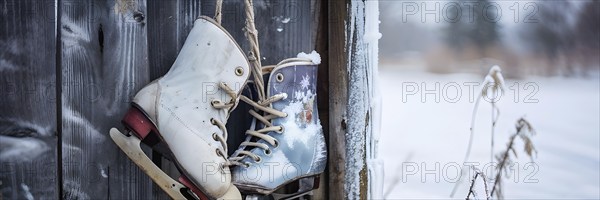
(286, 143)
(186, 110)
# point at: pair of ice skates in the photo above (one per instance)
(187, 110)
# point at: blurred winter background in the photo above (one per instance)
(433, 57)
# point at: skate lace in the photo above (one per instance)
(221, 105)
(269, 114)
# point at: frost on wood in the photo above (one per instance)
(363, 169)
(371, 37)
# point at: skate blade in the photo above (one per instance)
(130, 145)
(291, 196)
(308, 185)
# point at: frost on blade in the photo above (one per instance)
(313, 56)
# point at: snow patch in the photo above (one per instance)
(291, 123)
(285, 20)
(314, 56)
(103, 173)
(28, 194)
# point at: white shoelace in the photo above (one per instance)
(220, 105)
(270, 114)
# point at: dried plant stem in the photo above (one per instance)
(504, 160)
(471, 191)
(472, 129)
(495, 117)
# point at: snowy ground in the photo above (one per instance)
(421, 133)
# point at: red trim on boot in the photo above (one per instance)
(136, 121)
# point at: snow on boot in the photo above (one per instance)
(286, 143)
(186, 110)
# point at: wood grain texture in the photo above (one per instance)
(350, 100)
(28, 137)
(104, 62)
(338, 80)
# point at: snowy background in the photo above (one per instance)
(566, 118)
(552, 72)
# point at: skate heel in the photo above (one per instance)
(140, 125)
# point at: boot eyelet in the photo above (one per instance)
(239, 71)
(212, 121)
(279, 77)
(276, 143)
(267, 152)
(258, 160)
(214, 135)
(281, 129)
(247, 164)
(214, 102)
(218, 152)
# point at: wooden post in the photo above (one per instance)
(350, 100)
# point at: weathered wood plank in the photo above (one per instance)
(285, 27)
(169, 23)
(338, 84)
(28, 134)
(105, 61)
(351, 90)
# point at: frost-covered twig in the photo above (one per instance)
(524, 131)
(471, 188)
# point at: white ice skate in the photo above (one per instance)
(187, 109)
(287, 143)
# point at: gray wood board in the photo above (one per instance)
(104, 62)
(28, 134)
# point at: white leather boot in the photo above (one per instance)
(187, 110)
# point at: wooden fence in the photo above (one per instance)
(69, 69)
